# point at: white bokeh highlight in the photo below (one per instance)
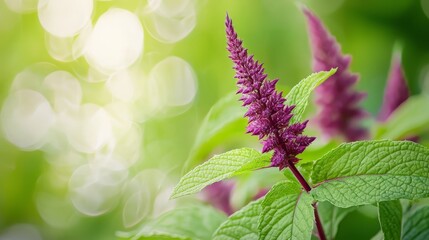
(175, 80)
(170, 21)
(116, 41)
(65, 91)
(64, 18)
(88, 129)
(95, 190)
(122, 86)
(21, 6)
(26, 119)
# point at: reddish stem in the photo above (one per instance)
(319, 226)
(299, 176)
(307, 188)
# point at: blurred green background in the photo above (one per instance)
(37, 197)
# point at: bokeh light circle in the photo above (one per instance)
(170, 21)
(64, 18)
(65, 90)
(175, 80)
(26, 119)
(116, 41)
(88, 129)
(21, 6)
(95, 190)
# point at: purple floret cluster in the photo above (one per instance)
(268, 116)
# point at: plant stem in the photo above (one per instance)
(307, 188)
(318, 223)
(299, 176)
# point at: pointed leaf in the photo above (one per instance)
(366, 172)
(407, 120)
(300, 93)
(241, 225)
(390, 217)
(416, 226)
(331, 217)
(220, 167)
(196, 223)
(287, 213)
(224, 120)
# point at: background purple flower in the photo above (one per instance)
(338, 111)
(396, 91)
(267, 114)
(219, 196)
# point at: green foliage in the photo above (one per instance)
(372, 171)
(409, 119)
(300, 93)
(248, 185)
(224, 120)
(220, 167)
(390, 216)
(416, 226)
(196, 223)
(287, 213)
(331, 217)
(241, 225)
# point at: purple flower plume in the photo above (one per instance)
(267, 113)
(339, 113)
(396, 91)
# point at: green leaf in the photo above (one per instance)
(300, 93)
(331, 217)
(409, 119)
(196, 223)
(390, 217)
(367, 172)
(247, 186)
(416, 226)
(241, 225)
(378, 236)
(220, 167)
(224, 120)
(287, 213)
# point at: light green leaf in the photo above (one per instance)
(378, 236)
(195, 223)
(367, 172)
(409, 119)
(416, 226)
(241, 225)
(390, 217)
(331, 217)
(224, 120)
(247, 186)
(300, 93)
(287, 213)
(220, 167)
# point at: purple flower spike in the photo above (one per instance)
(339, 113)
(267, 114)
(396, 91)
